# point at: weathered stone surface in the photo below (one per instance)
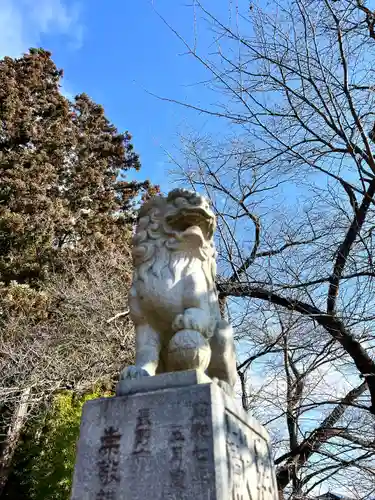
(190, 442)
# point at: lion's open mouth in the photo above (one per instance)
(192, 221)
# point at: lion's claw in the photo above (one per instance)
(133, 372)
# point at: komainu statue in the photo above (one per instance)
(173, 299)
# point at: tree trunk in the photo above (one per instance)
(9, 445)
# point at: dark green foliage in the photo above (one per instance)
(55, 338)
(62, 167)
(66, 205)
(44, 462)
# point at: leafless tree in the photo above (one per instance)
(293, 183)
(72, 334)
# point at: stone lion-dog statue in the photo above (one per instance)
(173, 300)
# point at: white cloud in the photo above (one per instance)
(23, 22)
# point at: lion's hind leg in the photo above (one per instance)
(222, 367)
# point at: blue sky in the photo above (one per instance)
(116, 51)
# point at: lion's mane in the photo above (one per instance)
(155, 242)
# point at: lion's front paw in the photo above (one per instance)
(184, 322)
(133, 372)
(193, 319)
(129, 373)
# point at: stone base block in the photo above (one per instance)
(185, 442)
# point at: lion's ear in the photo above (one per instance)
(143, 222)
(212, 261)
(142, 253)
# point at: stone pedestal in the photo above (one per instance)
(173, 436)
